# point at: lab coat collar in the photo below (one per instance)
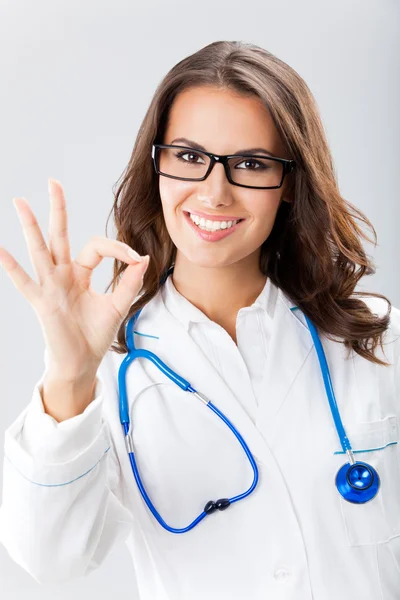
(187, 313)
(289, 345)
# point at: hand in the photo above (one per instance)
(78, 324)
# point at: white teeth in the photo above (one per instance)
(208, 225)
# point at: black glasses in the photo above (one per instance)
(265, 172)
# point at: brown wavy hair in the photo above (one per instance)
(314, 251)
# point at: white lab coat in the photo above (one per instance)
(69, 494)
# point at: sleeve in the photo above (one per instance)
(60, 516)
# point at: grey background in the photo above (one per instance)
(76, 79)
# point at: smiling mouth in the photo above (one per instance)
(201, 222)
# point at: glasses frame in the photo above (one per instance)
(288, 165)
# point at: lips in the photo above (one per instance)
(210, 217)
(212, 236)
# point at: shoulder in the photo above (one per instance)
(391, 337)
(380, 307)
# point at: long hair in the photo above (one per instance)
(314, 251)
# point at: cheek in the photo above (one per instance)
(263, 211)
(172, 193)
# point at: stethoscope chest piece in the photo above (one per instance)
(357, 483)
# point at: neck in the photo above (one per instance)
(219, 292)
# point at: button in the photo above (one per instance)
(282, 574)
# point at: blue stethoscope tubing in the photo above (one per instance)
(356, 481)
(133, 353)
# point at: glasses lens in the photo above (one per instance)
(253, 171)
(256, 171)
(181, 162)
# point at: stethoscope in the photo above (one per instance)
(356, 481)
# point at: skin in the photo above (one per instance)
(220, 277)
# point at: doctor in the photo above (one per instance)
(232, 196)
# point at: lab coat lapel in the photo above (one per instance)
(289, 346)
(177, 349)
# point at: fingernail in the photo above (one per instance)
(145, 261)
(16, 205)
(51, 185)
(133, 254)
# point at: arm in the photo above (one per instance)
(59, 517)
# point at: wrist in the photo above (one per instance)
(70, 377)
(64, 399)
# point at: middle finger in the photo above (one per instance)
(58, 227)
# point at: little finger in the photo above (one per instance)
(24, 284)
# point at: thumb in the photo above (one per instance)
(129, 286)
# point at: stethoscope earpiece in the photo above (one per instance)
(357, 483)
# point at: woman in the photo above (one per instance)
(227, 306)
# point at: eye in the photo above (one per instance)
(252, 160)
(183, 153)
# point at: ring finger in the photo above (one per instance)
(38, 250)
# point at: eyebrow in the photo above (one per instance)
(242, 151)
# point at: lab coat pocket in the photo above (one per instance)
(378, 520)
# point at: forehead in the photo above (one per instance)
(221, 118)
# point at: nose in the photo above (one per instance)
(216, 188)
